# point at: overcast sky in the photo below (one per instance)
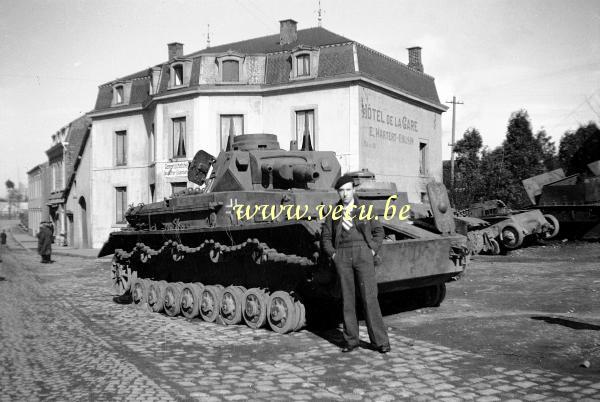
(495, 56)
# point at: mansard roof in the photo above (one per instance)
(336, 60)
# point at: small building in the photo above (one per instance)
(39, 192)
(78, 190)
(62, 155)
(375, 112)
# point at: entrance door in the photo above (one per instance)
(70, 231)
(83, 218)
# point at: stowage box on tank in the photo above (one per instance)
(192, 254)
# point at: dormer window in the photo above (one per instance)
(180, 71)
(305, 62)
(231, 68)
(231, 71)
(303, 65)
(178, 75)
(119, 94)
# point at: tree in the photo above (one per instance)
(522, 151)
(549, 158)
(10, 189)
(578, 148)
(522, 157)
(467, 180)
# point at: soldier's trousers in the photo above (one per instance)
(355, 269)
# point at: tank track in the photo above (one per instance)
(282, 311)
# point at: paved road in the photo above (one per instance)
(63, 338)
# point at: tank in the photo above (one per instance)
(513, 226)
(574, 200)
(244, 247)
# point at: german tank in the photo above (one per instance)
(574, 200)
(245, 245)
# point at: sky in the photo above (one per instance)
(495, 56)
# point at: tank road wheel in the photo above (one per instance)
(172, 298)
(555, 226)
(255, 302)
(434, 295)
(282, 312)
(232, 304)
(191, 294)
(211, 302)
(121, 278)
(139, 292)
(300, 315)
(495, 250)
(440, 294)
(156, 295)
(512, 238)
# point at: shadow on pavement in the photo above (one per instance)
(567, 323)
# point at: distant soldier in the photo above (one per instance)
(45, 243)
(2, 243)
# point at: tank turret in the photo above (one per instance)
(256, 162)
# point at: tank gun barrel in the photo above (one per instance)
(296, 172)
(305, 173)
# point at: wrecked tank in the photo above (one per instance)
(226, 252)
(574, 200)
(513, 226)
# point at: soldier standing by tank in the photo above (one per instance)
(352, 244)
(45, 243)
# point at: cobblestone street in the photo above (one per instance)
(63, 338)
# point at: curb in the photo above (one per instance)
(19, 243)
(70, 254)
(56, 252)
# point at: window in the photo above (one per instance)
(121, 148)
(56, 169)
(177, 187)
(231, 71)
(151, 145)
(178, 149)
(231, 123)
(422, 158)
(305, 121)
(53, 170)
(303, 65)
(302, 58)
(152, 188)
(119, 94)
(177, 75)
(121, 204)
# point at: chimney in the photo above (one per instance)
(175, 50)
(287, 32)
(414, 58)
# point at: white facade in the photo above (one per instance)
(387, 140)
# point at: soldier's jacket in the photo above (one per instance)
(371, 230)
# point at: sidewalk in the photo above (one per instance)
(30, 243)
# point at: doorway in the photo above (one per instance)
(83, 219)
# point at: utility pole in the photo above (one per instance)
(452, 144)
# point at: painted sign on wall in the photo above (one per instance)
(176, 169)
(392, 136)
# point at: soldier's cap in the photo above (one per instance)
(343, 180)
